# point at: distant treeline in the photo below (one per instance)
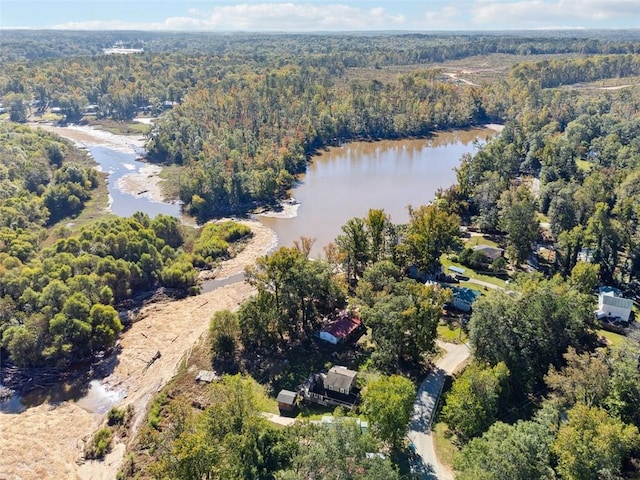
(366, 49)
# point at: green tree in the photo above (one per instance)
(473, 402)
(388, 402)
(335, 453)
(518, 220)
(584, 379)
(301, 290)
(403, 316)
(585, 277)
(378, 224)
(603, 237)
(624, 389)
(106, 326)
(508, 452)
(18, 108)
(354, 244)
(593, 445)
(529, 330)
(224, 331)
(430, 233)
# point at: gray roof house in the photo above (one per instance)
(492, 253)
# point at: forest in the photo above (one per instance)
(543, 397)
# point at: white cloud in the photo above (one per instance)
(350, 15)
(444, 18)
(545, 13)
(263, 17)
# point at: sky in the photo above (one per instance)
(319, 15)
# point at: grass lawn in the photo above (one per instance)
(445, 449)
(446, 263)
(121, 128)
(51, 117)
(615, 340)
(474, 240)
(451, 332)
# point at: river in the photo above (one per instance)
(341, 183)
(345, 182)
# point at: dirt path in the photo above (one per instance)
(45, 442)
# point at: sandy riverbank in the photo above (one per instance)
(146, 182)
(46, 442)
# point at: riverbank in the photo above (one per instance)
(144, 183)
(46, 442)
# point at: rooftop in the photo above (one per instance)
(287, 397)
(344, 326)
(340, 378)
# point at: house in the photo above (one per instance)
(492, 253)
(463, 297)
(341, 330)
(336, 387)
(612, 306)
(340, 379)
(287, 402)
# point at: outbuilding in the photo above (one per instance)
(287, 402)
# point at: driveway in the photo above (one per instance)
(423, 409)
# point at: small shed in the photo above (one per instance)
(287, 401)
(207, 376)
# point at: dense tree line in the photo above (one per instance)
(579, 431)
(363, 49)
(59, 289)
(248, 118)
(296, 295)
(230, 439)
(42, 180)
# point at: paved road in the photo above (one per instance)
(424, 406)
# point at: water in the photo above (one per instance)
(345, 182)
(118, 164)
(92, 396)
(341, 183)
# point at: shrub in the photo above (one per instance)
(100, 444)
(116, 416)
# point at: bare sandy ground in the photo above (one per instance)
(85, 136)
(144, 183)
(46, 442)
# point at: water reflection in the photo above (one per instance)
(118, 164)
(345, 182)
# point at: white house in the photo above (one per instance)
(613, 306)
